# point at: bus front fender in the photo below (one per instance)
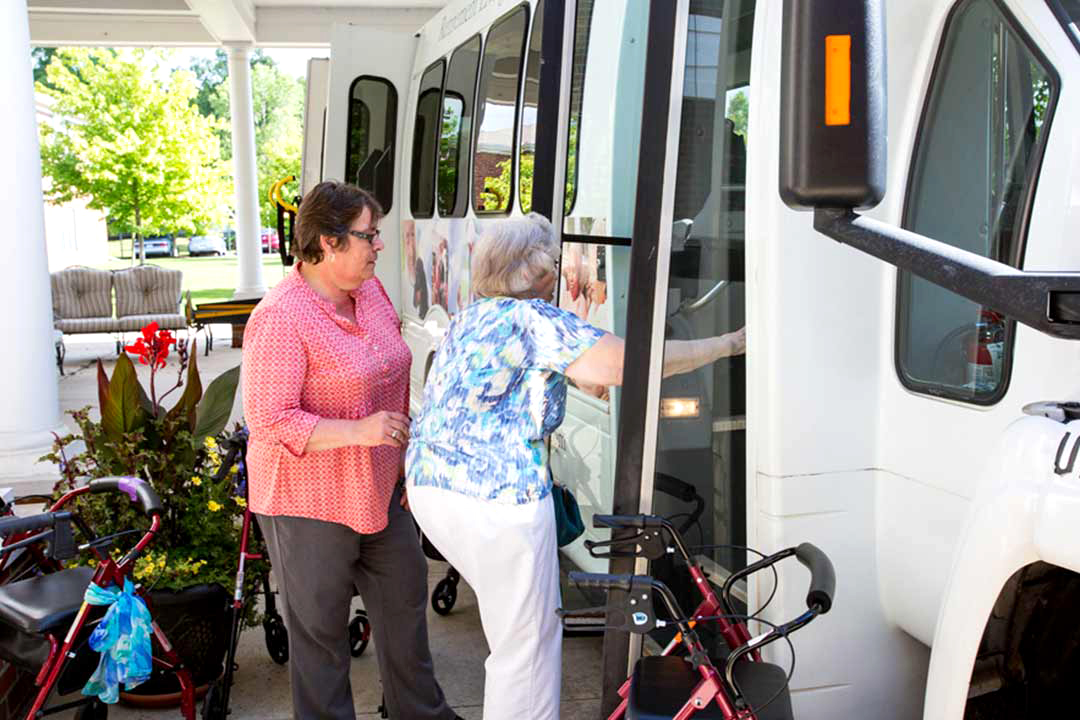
(1024, 511)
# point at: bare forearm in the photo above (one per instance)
(381, 428)
(682, 356)
(331, 433)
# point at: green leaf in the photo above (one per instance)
(216, 405)
(102, 384)
(123, 411)
(189, 401)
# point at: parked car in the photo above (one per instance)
(269, 239)
(159, 246)
(206, 245)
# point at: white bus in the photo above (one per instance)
(876, 414)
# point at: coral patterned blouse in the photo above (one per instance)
(302, 362)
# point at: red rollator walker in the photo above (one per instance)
(683, 682)
(45, 623)
(216, 701)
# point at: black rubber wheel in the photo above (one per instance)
(444, 596)
(277, 639)
(359, 633)
(95, 710)
(212, 706)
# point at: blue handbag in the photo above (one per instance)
(568, 523)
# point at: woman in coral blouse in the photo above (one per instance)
(325, 377)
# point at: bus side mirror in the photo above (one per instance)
(833, 104)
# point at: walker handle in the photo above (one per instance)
(16, 525)
(138, 490)
(822, 576)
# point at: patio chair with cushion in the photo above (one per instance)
(147, 294)
(83, 302)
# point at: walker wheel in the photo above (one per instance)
(359, 633)
(444, 596)
(212, 706)
(277, 639)
(95, 710)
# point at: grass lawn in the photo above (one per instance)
(210, 279)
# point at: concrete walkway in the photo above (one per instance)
(261, 687)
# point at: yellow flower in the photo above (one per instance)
(196, 480)
(214, 506)
(210, 443)
(240, 501)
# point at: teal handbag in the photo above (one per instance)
(568, 523)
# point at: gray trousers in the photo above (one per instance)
(317, 564)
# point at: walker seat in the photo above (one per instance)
(33, 610)
(661, 685)
(46, 602)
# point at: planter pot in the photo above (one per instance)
(196, 622)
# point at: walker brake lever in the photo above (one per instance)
(649, 543)
(595, 547)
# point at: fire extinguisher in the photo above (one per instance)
(985, 351)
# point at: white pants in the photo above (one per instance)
(507, 553)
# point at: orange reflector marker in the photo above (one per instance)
(837, 79)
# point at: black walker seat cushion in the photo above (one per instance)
(45, 603)
(759, 682)
(659, 688)
(661, 685)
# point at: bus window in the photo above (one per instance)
(493, 161)
(453, 184)
(972, 180)
(425, 141)
(529, 101)
(700, 477)
(607, 83)
(369, 151)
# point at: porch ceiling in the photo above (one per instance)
(213, 22)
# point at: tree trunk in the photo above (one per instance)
(138, 227)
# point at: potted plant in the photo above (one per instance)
(174, 449)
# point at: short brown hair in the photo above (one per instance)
(330, 208)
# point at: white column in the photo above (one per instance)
(249, 282)
(29, 387)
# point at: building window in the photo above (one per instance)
(456, 130)
(425, 141)
(369, 151)
(500, 74)
(972, 184)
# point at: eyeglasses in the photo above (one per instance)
(368, 236)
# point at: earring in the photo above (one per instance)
(332, 256)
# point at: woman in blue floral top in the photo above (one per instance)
(477, 458)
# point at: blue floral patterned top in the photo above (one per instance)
(496, 390)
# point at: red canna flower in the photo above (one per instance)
(153, 347)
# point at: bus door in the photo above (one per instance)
(682, 440)
(368, 85)
(603, 127)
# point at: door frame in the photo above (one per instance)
(650, 258)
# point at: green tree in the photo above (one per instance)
(127, 137)
(278, 110)
(738, 111)
(526, 163)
